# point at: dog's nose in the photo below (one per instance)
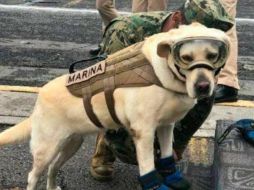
(202, 87)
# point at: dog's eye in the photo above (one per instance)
(212, 56)
(187, 58)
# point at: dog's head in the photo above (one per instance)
(194, 56)
(196, 61)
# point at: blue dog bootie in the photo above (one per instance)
(243, 126)
(152, 181)
(172, 177)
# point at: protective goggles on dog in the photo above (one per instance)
(214, 62)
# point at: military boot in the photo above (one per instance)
(102, 162)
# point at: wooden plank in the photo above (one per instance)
(29, 89)
(239, 103)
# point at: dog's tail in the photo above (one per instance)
(17, 133)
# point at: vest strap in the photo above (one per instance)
(109, 87)
(88, 107)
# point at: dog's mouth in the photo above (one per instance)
(202, 95)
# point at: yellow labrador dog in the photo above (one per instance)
(184, 60)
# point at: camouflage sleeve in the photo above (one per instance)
(118, 36)
(127, 30)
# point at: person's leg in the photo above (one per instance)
(159, 5)
(107, 10)
(185, 128)
(102, 162)
(227, 81)
(139, 6)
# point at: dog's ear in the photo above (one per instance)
(163, 49)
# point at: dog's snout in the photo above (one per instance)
(202, 87)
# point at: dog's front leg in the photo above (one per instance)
(144, 142)
(165, 137)
(144, 146)
(166, 164)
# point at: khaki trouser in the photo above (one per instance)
(228, 75)
(148, 5)
(107, 10)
